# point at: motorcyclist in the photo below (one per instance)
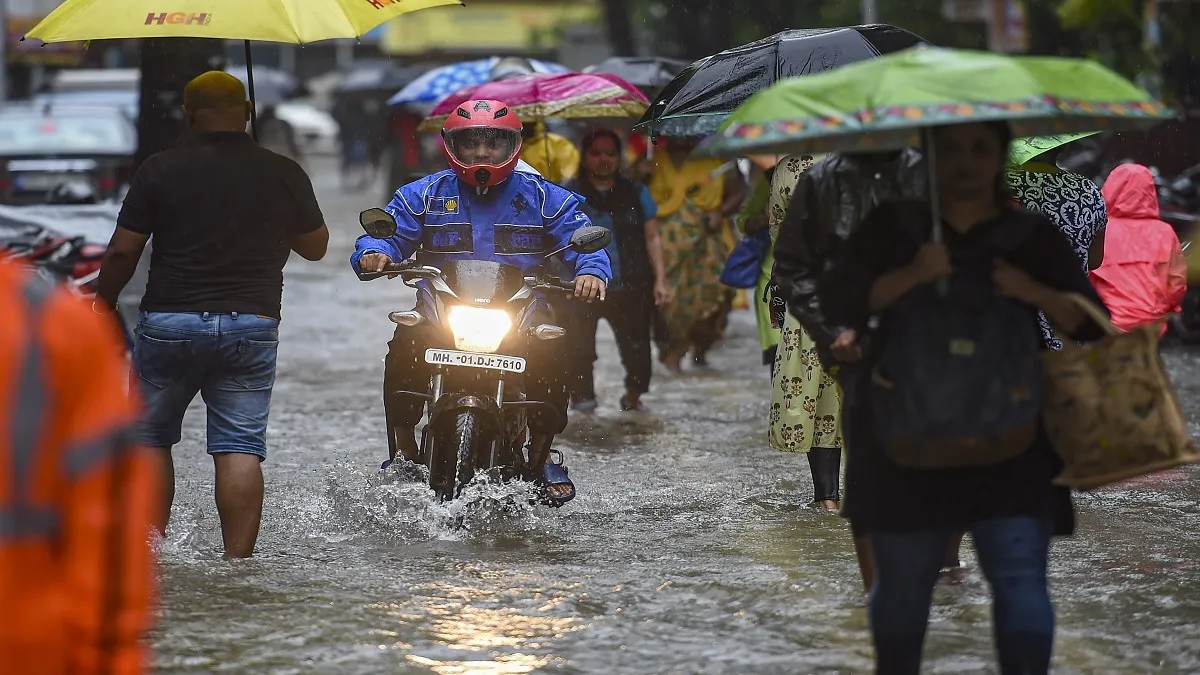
(481, 209)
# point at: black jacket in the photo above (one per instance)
(829, 202)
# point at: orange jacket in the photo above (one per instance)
(76, 497)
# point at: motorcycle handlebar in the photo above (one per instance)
(557, 285)
(414, 270)
(390, 268)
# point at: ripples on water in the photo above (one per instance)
(685, 553)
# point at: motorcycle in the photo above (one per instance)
(68, 260)
(477, 411)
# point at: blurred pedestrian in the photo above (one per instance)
(552, 155)
(405, 151)
(79, 498)
(1072, 202)
(639, 282)
(1003, 491)
(695, 198)
(225, 214)
(360, 131)
(639, 157)
(1144, 275)
(278, 135)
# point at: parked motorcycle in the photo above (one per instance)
(68, 260)
(476, 407)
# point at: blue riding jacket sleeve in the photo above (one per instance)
(409, 224)
(564, 215)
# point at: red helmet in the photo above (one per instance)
(483, 141)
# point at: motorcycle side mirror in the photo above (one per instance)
(378, 223)
(590, 239)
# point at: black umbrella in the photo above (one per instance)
(651, 72)
(706, 92)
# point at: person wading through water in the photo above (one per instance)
(913, 511)
(639, 282)
(225, 215)
(694, 197)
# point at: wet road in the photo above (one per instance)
(687, 550)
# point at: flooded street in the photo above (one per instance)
(688, 549)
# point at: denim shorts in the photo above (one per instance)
(229, 359)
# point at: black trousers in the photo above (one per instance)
(405, 369)
(630, 313)
(826, 465)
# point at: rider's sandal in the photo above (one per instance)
(555, 473)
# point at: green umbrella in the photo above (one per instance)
(884, 103)
(1025, 149)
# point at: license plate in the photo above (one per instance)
(449, 357)
(38, 181)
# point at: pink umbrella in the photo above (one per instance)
(541, 95)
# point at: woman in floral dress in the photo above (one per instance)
(806, 405)
(693, 205)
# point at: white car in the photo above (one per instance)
(316, 131)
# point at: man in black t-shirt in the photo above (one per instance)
(225, 215)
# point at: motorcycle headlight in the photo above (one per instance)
(477, 329)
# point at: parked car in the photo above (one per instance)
(42, 149)
(316, 131)
(96, 79)
(125, 101)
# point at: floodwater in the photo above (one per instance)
(688, 550)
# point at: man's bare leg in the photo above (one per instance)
(168, 488)
(239, 501)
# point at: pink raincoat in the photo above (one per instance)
(1144, 275)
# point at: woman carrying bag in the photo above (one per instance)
(911, 501)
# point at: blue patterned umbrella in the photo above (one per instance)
(439, 83)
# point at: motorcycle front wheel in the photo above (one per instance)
(453, 464)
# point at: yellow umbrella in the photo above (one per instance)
(291, 21)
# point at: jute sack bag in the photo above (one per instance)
(1110, 410)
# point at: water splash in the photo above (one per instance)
(382, 504)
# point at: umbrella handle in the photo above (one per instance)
(250, 91)
(935, 208)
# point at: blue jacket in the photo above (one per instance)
(516, 223)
